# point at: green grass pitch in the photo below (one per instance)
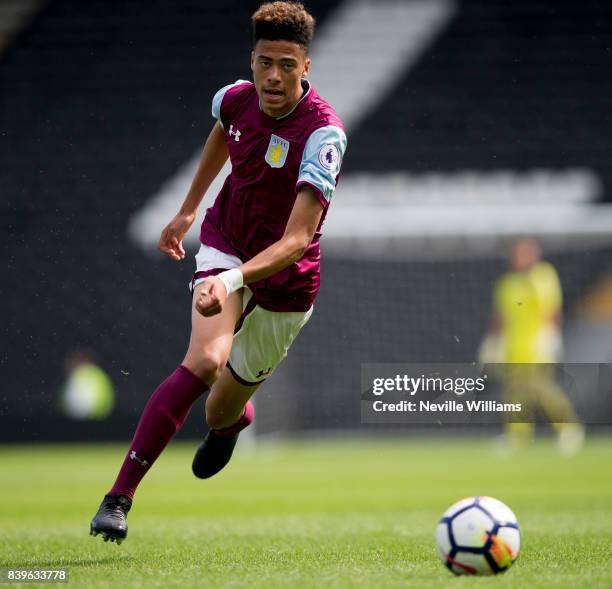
(351, 513)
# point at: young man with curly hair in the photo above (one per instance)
(257, 269)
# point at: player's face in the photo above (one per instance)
(278, 68)
(524, 253)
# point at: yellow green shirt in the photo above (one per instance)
(527, 303)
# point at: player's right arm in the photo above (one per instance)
(490, 349)
(214, 155)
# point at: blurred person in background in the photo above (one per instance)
(88, 392)
(525, 336)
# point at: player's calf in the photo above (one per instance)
(218, 446)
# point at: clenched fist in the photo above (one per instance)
(210, 297)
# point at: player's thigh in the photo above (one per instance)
(211, 337)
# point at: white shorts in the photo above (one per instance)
(262, 338)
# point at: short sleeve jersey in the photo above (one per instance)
(272, 158)
(527, 303)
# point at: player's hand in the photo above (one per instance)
(211, 297)
(171, 239)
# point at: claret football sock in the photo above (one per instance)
(163, 416)
(218, 446)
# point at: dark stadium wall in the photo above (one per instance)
(508, 85)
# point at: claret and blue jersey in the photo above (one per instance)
(272, 158)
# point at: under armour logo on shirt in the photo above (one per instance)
(235, 133)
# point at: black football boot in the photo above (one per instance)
(111, 519)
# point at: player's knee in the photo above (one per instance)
(208, 365)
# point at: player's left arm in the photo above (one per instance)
(550, 294)
(303, 222)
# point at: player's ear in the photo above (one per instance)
(252, 60)
(306, 67)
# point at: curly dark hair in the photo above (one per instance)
(283, 21)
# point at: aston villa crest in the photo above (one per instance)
(277, 151)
